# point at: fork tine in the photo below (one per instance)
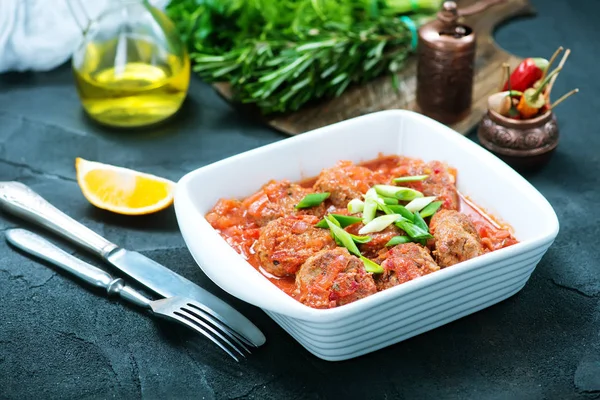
(187, 322)
(242, 339)
(198, 312)
(198, 320)
(209, 313)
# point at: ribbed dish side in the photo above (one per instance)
(397, 320)
(424, 296)
(407, 320)
(323, 336)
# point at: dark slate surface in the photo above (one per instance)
(59, 340)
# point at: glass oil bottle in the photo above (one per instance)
(131, 68)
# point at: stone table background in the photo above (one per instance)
(60, 340)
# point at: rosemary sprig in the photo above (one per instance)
(282, 54)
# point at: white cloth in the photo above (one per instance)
(41, 34)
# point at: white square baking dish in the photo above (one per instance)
(403, 311)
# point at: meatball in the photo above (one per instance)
(441, 181)
(345, 181)
(332, 278)
(276, 199)
(403, 263)
(378, 239)
(455, 238)
(286, 243)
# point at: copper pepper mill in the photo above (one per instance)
(446, 60)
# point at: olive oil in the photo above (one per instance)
(130, 81)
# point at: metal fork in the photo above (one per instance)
(185, 311)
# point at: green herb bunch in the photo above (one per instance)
(281, 54)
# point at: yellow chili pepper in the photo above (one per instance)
(531, 101)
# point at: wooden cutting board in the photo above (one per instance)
(380, 95)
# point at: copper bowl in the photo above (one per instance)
(522, 144)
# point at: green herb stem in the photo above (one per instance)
(280, 55)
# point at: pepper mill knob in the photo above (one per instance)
(450, 6)
(449, 14)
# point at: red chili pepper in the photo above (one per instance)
(532, 100)
(527, 73)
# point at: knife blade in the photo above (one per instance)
(21, 201)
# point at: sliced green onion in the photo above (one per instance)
(380, 223)
(430, 209)
(312, 200)
(402, 211)
(398, 192)
(355, 206)
(322, 224)
(346, 220)
(369, 210)
(360, 239)
(371, 266)
(420, 222)
(371, 194)
(412, 230)
(419, 203)
(342, 236)
(414, 178)
(397, 240)
(390, 200)
(343, 220)
(338, 242)
(385, 208)
(335, 221)
(386, 190)
(335, 238)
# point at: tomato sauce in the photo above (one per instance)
(494, 235)
(231, 219)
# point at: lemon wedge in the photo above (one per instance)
(123, 190)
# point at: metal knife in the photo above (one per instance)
(18, 199)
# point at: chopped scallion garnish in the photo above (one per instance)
(420, 222)
(397, 240)
(413, 230)
(342, 236)
(355, 206)
(398, 192)
(343, 220)
(402, 211)
(360, 239)
(380, 223)
(312, 200)
(370, 208)
(419, 203)
(385, 208)
(414, 178)
(430, 209)
(390, 200)
(371, 266)
(369, 211)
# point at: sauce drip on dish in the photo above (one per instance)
(329, 276)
